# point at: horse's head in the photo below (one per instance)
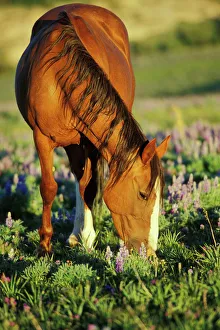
(134, 199)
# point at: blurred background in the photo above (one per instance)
(175, 49)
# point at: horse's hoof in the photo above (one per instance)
(42, 252)
(72, 241)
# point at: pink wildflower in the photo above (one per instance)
(92, 327)
(202, 227)
(5, 278)
(9, 221)
(26, 307)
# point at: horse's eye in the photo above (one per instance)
(143, 195)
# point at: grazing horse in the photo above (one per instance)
(75, 89)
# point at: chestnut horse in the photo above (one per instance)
(75, 88)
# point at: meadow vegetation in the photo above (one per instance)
(108, 288)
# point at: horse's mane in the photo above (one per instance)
(79, 67)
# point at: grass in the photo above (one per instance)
(81, 289)
(178, 73)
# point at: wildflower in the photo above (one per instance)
(5, 278)
(119, 263)
(15, 179)
(143, 251)
(9, 220)
(12, 324)
(8, 188)
(154, 281)
(11, 254)
(210, 272)
(109, 288)
(92, 327)
(58, 262)
(61, 199)
(77, 316)
(26, 307)
(215, 182)
(13, 302)
(190, 271)
(108, 254)
(197, 204)
(163, 212)
(123, 251)
(174, 208)
(202, 227)
(206, 185)
(7, 300)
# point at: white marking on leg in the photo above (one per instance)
(154, 221)
(79, 218)
(83, 223)
(88, 232)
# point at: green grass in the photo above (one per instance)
(190, 71)
(167, 117)
(7, 86)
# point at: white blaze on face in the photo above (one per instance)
(154, 221)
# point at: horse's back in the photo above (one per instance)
(105, 38)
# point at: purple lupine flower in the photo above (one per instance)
(174, 208)
(215, 182)
(8, 188)
(190, 184)
(123, 250)
(119, 263)
(22, 188)
(109, 288)
(108, 254)
(143, 251)
(197, 204)
(9, 220)
(206, 185)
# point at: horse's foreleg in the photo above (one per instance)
(48, 188)
(83, 224)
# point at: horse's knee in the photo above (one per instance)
(48, 191)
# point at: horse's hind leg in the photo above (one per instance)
(48, 188)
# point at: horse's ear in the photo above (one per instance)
(162, 148)
(148, 151)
